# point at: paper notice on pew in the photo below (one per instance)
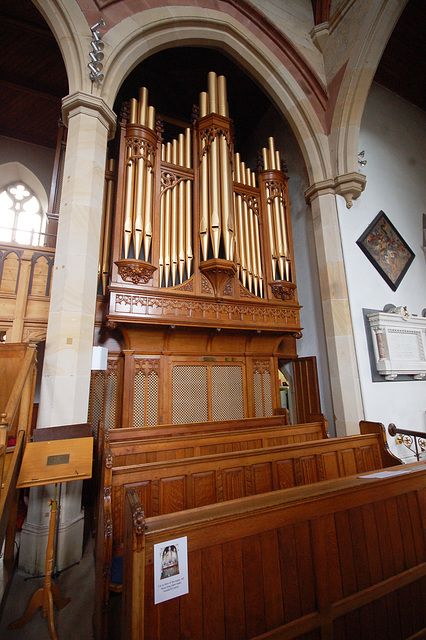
(389, 474)
(170, 569)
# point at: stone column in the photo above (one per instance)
(66, 372)
(344, 377)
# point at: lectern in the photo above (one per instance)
(52, 462)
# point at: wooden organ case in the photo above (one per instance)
(197, 269)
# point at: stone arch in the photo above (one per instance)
(72, 33)
(372, 37)
(134, 39)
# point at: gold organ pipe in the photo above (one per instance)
(107, 228)
(277, 160)
(246, 227)
(149, 191)
(129, 184)
(143, 105)
(214, 172)
(181, 211)
(257, 242)
(250, 216)
(151, 118)
(221, 89)
(203, 104)
(237, 238)
(225, 174)
(139, 206)
(277, 216)
(204, 193)
(134, 107)
(213, 94)
(188, 202)
(270, 217)
(128, 201)
(240, 234)
(174, 216)
(167, 222)
(272, 152)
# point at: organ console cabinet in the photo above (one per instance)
(197, 269)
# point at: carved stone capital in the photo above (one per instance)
(136, 271)
(348, 185)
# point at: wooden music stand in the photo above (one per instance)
(47, 463)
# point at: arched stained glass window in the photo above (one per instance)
(21, 217)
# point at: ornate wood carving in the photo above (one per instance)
(136, 271)
(218, 271)
(282, 289)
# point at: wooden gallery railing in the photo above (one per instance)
(18, 377)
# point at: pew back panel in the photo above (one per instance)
(156, 449)
(343, 559)
(177, 485)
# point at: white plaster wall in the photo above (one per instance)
(393, 135)
(37, 159)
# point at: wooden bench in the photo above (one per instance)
(186, 483)
(165, 431)
(156, 448)
(343, 560)
(171, 486)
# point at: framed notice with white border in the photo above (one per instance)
(170, 569)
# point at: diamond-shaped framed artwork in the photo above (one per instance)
(386, 250)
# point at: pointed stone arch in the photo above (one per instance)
(138, 37)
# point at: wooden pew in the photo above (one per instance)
(186, 483)
(155, 448)
(171, 486)
(343, 560)
(115, 437)
(119, 435)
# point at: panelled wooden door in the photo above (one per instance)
(308, 404)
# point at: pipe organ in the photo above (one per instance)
(197, 261)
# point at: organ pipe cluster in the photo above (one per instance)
(169, 193)
(176, 211)
(247, 230)
(216, 206)
(276, 213)
(139, 180)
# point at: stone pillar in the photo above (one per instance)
(66, 372)
(344, 377)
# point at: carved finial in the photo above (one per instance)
(195, 114)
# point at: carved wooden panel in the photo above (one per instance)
(285, 473)
(262, 478)
(308, 466)
(10, 264)
(330, 465)
(203, 488)
(348, 461)
(41, 274)
(233, 483)
(172, 494)
(262, 388)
